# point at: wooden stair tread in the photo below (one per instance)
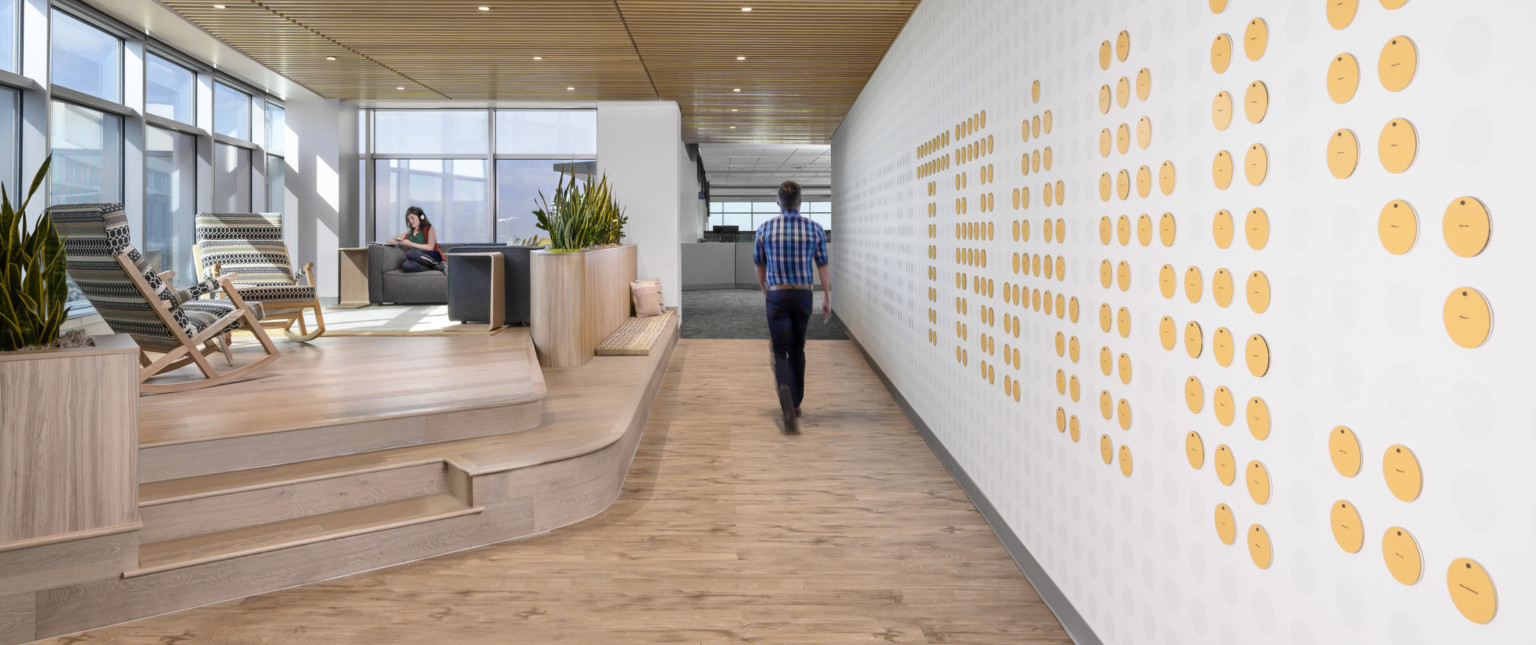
(223, 545)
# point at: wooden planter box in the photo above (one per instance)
(69, 444)
(577, 300)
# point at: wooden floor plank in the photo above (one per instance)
(726, 531)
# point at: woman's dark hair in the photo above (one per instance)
(421, 216)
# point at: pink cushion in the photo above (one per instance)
(646, 295)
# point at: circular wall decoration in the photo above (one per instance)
(1257, 355)
(1255, 39)
(1192, 284)
(1218, 6)
(1045, 158)
(1034, 92)
(1256, 164)
(1401, 552)
(1166, 229)
(1123, 413)
(1123, 275)
(1143, 133)
(1344, 451)
(1045, 126)
(1256, 101)
(1123, 184)
(1106, 230)
(1106, 185)
(1399, 60)
(1472, 590)
(1168, 332)
(1144, 229)
(1343, 78)
(1257, 478)
(1221, 170)
(1106, 316)
(1256, 229)
(1221, 346)
(1124, 322)
(1259, 548)
(1466, 226)
(1223, 405)
(1348, 530)
(1258, 292)
(1125, 460)
(1123, 45)
(1123, 138)
(1393, 4)
(1343, 153)
(1194, 395)
(1106, 449)
(1398, 145)
(1221, 53)
(1106, 362)
(1143, 181)
(1194, 340)
(1401, 469)
(1143, 85)
(1221, 287)
(1061, 236)
(1468, 317)
(1258, 418)
(1123, 92)
(1105, 98)
(1221, 110)
(1106, 143)
(1167, 281)
(1104, 55)
(1165, 178)
(1398, 227)
(1226, 466)
(1341, 12)
(1074, 427)
(1061, 191)
(1194, 450)
(1221, 228)
(1226, 525)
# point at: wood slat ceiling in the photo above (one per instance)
(806, 60)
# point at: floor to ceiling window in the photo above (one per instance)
(170, 199)
(10, 130)
(231, 158)
(747, 216)
(84, 58)
(277, 175)
(8, 39)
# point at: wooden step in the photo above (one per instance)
(205, 548)
(179, 508)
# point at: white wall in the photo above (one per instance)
(1356, 333)
(637, 146)
(313, 186)
(691, 210)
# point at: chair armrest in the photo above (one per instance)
(167, 275)
(308, 274)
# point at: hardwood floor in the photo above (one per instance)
(726, 531)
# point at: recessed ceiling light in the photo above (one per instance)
(538, 58)
(400, 88)
(330, 58)
(733, 127)
(746, 8)
(741, 58)
(733, 109)
(218, 6)
(736, 90)
(570, 88)
(485, 8)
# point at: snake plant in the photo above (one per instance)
(582, 214)
(33, 289)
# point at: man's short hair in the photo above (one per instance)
(789, 196)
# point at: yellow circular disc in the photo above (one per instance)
(1343, 153)
(1045, 158)
(1168, 332)
(1258, 418)
(1143, 181)
(1258, 292)
(1194, 340)
(1255, 38)
(1123, 45)
(1348, 529)
(1466, 226)
(1123, 413)
(1194, 395)
(1194, 450)
(1399, 60)
(1166, 229)
(1343, 78)
(1061, 191)
(1061, 418)
(1398, 145)
(1124, 322)
(1106, 317)
(1226, 525)
(1472, 590)
(1398, 227)
(1123, 138)
(1468, 317)
(1123, 92)
(1073, 385)
(1259, 548)
(1221, 110)
(1048, 227)
(1344, 450)
(1074, 428)
(1257, 478)
(1256, 228)
(1045, 126)
(1221, 287)
(1143, 85)
(1256, 165)
(1401, 468)
(1341, 13)
(1061, 339)
(1221, 346)
(1165, 178)
(1221, 228)
(1221, 53)
(1061, 235)
(1034, 166)
(1105, 52)
(1218, 6)
(1401, 552)
(1073, 346)
(1125, 460)
(1105, 98)
(1034, 92)
(1167, 280)
(1226, 465)
(1106, 273)
(1221, 169)
(1144, 229)
(1123, 184)
(1106, 230)
(1106, 143)
(1223, 405)
(1256, 101)
(1106, 449)
(1192, 284)
(1106, 186)
(1393, 4)
(1106, 361)
(1143, 133)
(1257, 355)
(1123, 229)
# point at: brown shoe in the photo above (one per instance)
(787, 406)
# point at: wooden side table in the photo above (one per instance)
(352, 270)
(498, 307)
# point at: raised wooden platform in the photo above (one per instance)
(225, 532)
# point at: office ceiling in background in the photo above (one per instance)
(785, 72)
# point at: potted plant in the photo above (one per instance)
(33, 289)
(583, 215)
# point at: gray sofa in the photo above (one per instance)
(468, 284)
(388, 284)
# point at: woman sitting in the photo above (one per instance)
(420, 240)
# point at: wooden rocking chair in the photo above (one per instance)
(251, 246)
(135, 300)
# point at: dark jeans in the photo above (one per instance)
(789, 312)
(413, 261)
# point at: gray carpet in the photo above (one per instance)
(739, 313)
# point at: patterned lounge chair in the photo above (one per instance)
(134, 300)
(251, 245)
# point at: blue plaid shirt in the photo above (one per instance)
(787, 245)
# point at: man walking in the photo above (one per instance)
(784, 251)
